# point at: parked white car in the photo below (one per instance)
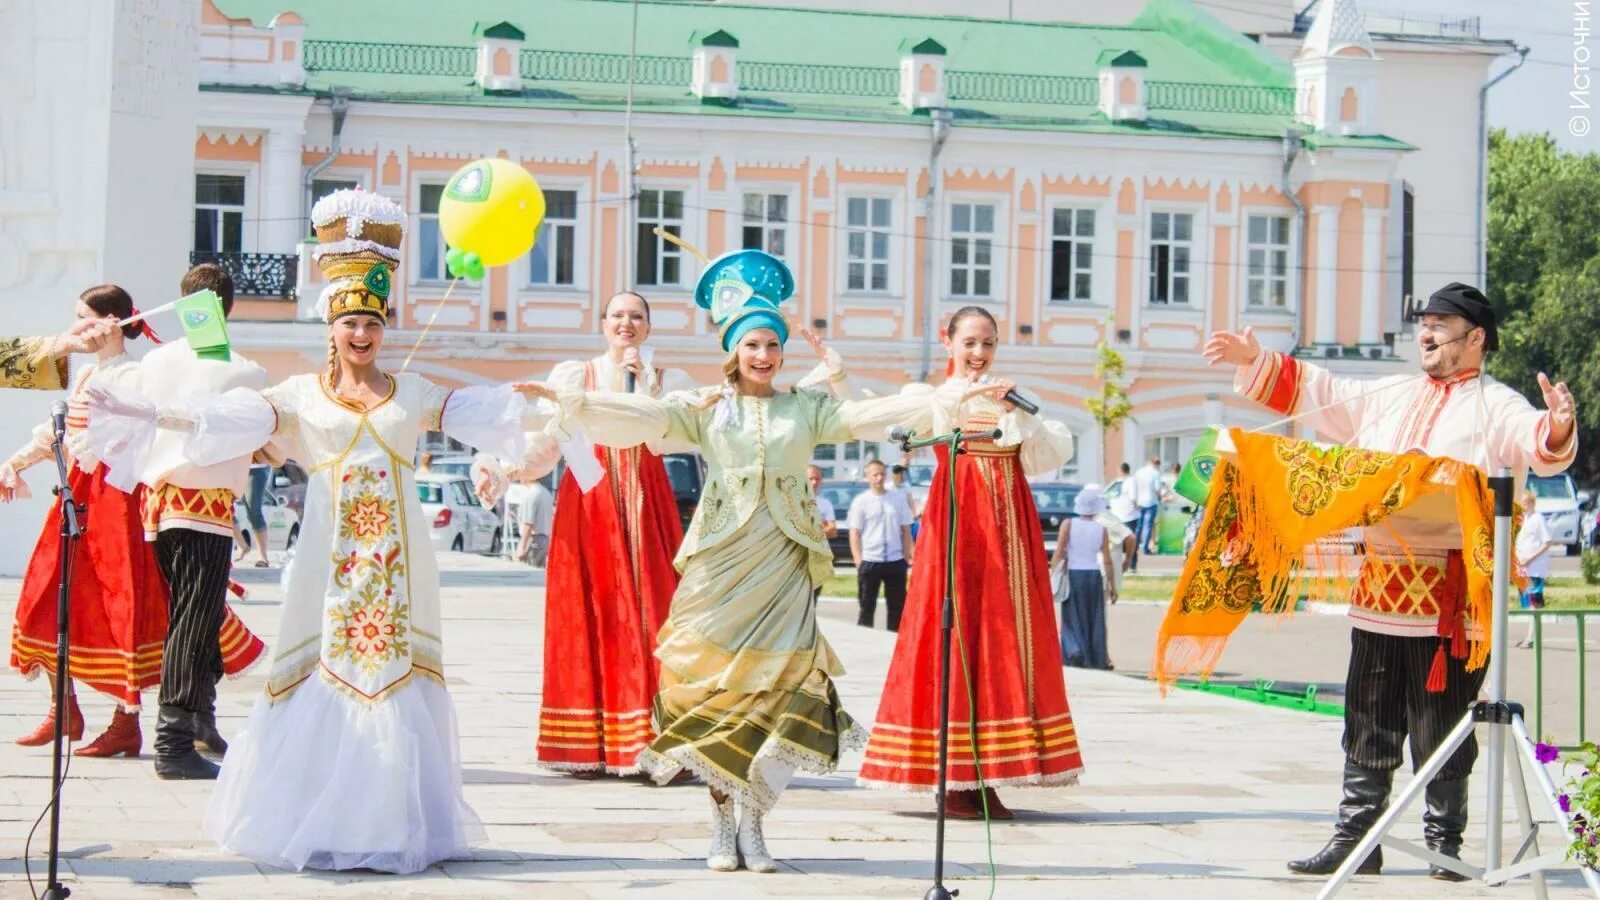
(283, 524)
(456, 519)
(1556, 498)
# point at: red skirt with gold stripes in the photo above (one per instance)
(118, 621)
(1009, 699)
(608, 588)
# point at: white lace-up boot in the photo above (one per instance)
(724, 855)
(752, 844)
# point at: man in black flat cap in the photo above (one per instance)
(1405, 681)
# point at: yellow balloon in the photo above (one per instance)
(491, 207)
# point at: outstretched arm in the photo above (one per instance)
(1334, 407)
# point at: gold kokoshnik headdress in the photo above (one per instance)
(358, 248)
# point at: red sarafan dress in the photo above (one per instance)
(1006, 626)
(117, 624)
(609, 582)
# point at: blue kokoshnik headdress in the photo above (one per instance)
(743, 290)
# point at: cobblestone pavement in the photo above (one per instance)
(1196, 795)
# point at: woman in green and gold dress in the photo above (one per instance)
(747, 693)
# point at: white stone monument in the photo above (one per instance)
(96, 182)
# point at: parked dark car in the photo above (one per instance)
(1054, 502)
(840, 493)
(687, 472)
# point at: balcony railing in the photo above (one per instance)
(268, 275)
(561, 66)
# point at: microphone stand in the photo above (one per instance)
(952, 441)
(71, 531)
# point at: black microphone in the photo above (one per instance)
(1443, 343)
(58, 417)
(899, 434)
(632, 380)
(1017, 400)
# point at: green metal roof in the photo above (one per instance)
(1202, 79)
(1122, 59)
(926, 46)
(504, 31)
(718, 38)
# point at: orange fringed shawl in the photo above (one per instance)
(1274, 499)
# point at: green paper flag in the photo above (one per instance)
(1194, 481)
(204, 325)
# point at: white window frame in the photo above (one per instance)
(580, 244)
(789, 226)
(999, 249)
(439, 180)
(685, 259)
(892, 277)
(247, 224)
(1268, 278)
(1195, 244)
(1092, 270)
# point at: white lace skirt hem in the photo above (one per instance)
(320, 781)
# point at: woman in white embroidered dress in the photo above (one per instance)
(350, 759)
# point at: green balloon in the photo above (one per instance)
(455, 262)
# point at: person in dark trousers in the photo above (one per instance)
(1408, 681)
(189, 516)
(880, 544)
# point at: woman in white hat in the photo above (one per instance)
(1085, 547)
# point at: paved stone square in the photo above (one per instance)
(1193, 795)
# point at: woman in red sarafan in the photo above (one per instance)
(610, 577)
(1005, 619)
(118, 620)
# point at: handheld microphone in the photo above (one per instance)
(633, 380)
(58, 417)
(899, 434)
(1022, 403)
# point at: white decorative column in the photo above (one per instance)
(282, 187)
(1371, 278)
(77, 212)
(1327, 323)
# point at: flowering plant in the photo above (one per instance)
(1579, 799)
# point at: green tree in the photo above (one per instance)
(1112, 407)
(1544, 274)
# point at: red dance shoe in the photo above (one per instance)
(122, 738)
(46, 732)
(962, 805)
(997, 810)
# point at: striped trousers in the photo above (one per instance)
(196, 565)
(1387, 701)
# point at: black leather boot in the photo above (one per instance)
(206, 735)
(1366, 795)
(1443, 823)
(176, 757)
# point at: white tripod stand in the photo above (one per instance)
(1500, 715)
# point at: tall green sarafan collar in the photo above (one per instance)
(377, 280)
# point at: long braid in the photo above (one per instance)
(333, 364)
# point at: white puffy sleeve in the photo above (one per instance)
(918, 407)
(677, 386)
(625, 420)
(232, 424)
(492, 418)
(1046, 443)
(831, 376)
(493, 472)
(36, 449)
